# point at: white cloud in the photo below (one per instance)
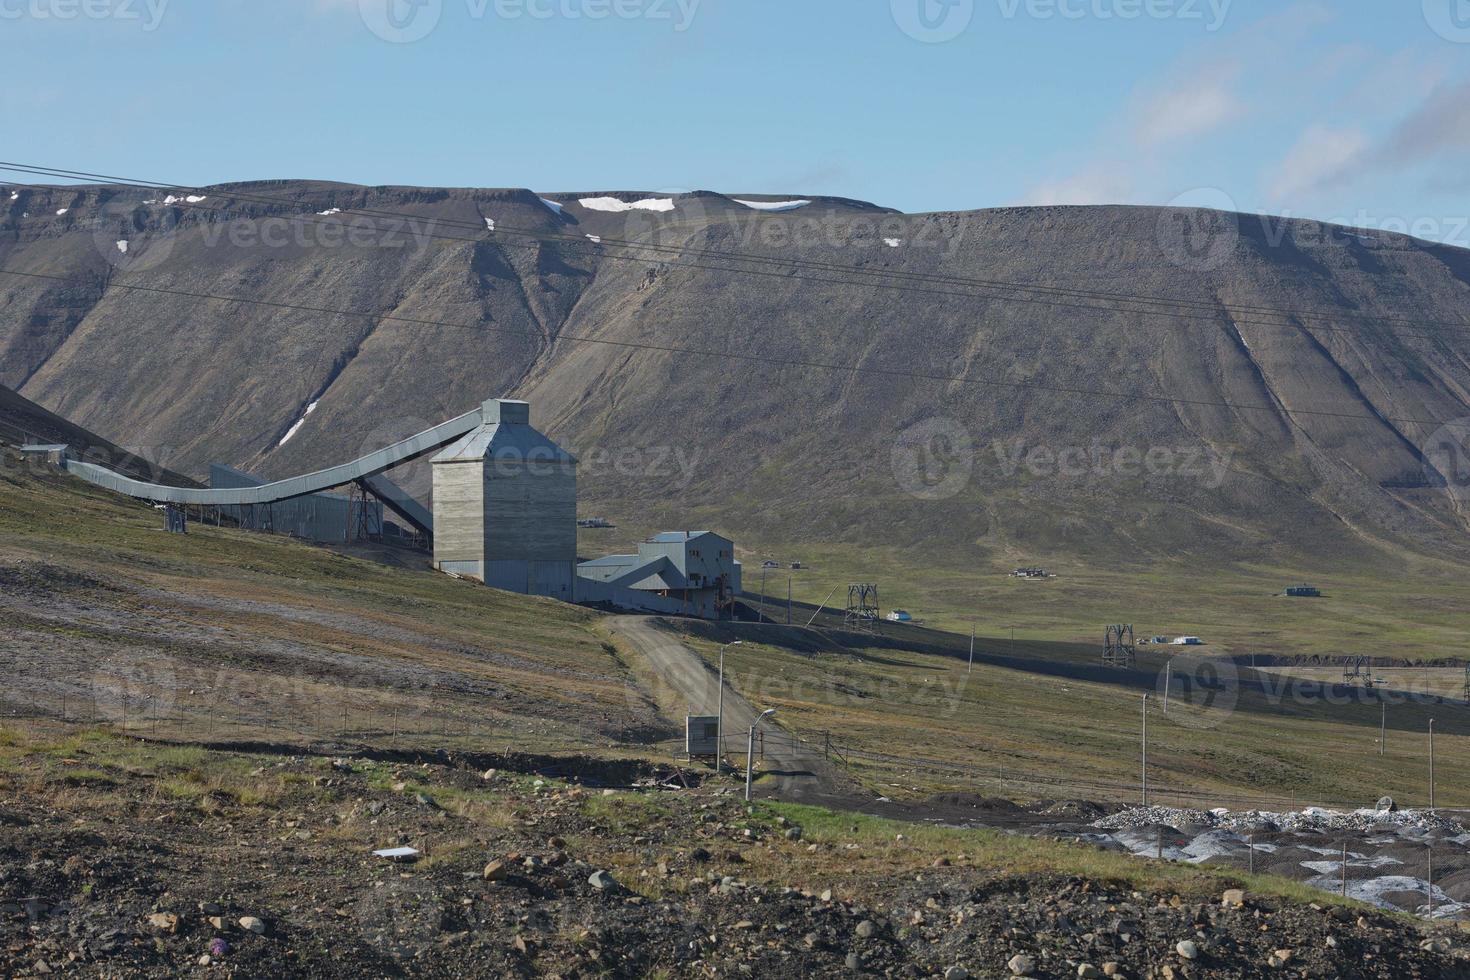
(1187, 111)
(1096, 185)
(1322, 155)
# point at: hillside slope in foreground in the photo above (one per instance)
(206, 737)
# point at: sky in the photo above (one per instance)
(1356, 112)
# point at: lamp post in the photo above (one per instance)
(750, 749)
(720, 712)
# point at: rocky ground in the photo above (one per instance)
(122, 858)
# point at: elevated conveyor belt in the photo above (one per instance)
(362, 469)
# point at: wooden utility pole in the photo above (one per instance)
(1431, 765)
(1144, 770)
(972, 649)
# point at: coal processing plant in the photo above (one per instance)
(504, 513)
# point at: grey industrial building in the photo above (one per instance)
(505, 506)
(504, 512)
(690, 572)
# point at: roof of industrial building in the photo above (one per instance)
(507, 442)
(612, 560)
(673, 537)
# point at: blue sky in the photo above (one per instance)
(1358, 112)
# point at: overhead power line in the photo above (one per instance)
(997, 290)
(731, 355)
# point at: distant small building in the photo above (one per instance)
(1304, 592)
(1030, 573)
(701, 735)
(900, 616)
(1188, 641)
(53, 453)
(693, 573)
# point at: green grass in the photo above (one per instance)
(1058, 726)
(1401, 605)
(892, 844)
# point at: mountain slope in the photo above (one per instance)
(1295, 435)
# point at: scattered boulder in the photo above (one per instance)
(1020, 965)
(603, 881)
(1233, 898)
(1188, 949)
(164, 922)
(495, 871)
(1386, 804)
(252, 924)
(866, 929)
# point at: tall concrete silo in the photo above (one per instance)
(505, 506)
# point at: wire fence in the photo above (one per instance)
(366, 721)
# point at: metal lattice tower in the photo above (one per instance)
(1119, 649)
(862, 607)
(1360, 669)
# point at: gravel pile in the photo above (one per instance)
(1312, 819)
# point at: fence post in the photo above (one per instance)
(1429, 882)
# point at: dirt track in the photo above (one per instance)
(791, 770)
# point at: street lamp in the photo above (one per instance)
(750, 749)
(720, 713)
